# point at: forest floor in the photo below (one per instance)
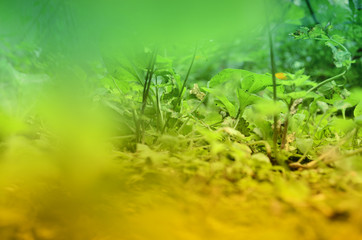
(174, 194)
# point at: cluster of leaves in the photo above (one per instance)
(152, 100)
(342, 57)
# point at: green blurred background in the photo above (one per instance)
(60, 49)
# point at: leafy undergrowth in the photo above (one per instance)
(117, 127)
(174, 190)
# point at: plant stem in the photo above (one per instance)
(286, 125)
(330, 39)
(326, 81)
(146, 90)
(187, 77)
(158, 108)
(273, 70)
(137, 124)
(311, 11)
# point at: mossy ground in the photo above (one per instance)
(155, 193)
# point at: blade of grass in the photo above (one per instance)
(148, 80)
(179, 98)
(273, 71)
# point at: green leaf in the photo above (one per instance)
(304, 144)
(341, 58)
(256, 82)
(355, 97)
(316, 32)
(226, 75)
(298, 82)
(251, 82)
(298, 94)
(260, 158)
(344, 125)
(231, 108)
(246, 99)
(269, 107)
(323, 106)
(358, 120)
(358, 110)
(243, 127)
(342, 104)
